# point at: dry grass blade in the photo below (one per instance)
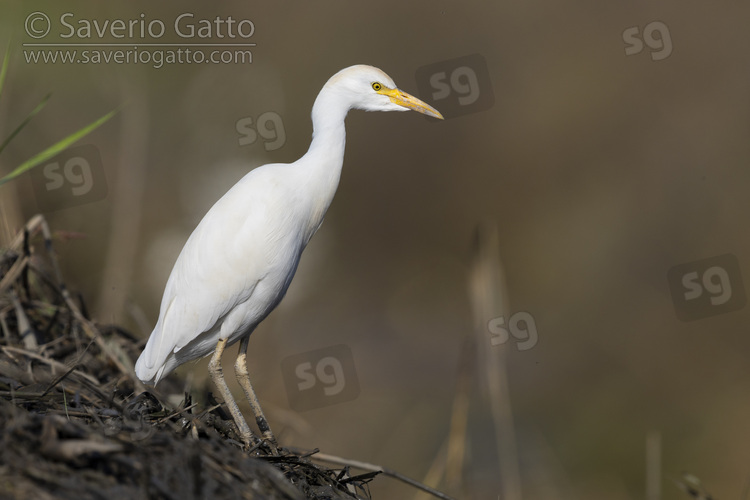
(653, 465)
(24, 327)
(12, 275)
(489, 299)
(435, 472)
(51, 362)
(377, 468)
(72, 449)
(693, 486)
(38, 223)
(457, 438)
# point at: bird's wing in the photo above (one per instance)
(235, 246)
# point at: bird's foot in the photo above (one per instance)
(272, 445)
(263, 446)
(268, 436)
(249, 440)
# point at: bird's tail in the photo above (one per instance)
(149, 369)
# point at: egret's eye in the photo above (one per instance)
(376, 86)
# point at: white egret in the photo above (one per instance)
(238, 263)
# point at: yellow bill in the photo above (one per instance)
(401, 98)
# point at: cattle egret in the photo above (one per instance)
(238, 263)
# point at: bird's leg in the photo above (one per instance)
(243, 377)
(217, 375)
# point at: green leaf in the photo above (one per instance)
(4, 69)
(56, 148)
(26, 121)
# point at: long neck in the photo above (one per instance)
(329, 133)
(322, 163)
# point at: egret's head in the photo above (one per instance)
(370, 89)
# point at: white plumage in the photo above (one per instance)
(238, 263)
(233, 270)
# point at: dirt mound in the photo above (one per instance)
(75, 423)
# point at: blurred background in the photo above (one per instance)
(607, 145)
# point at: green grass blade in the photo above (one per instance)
(4, 69)
(56, 148)
(25, 122)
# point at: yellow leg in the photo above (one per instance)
(243, 377)
(217, 375)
